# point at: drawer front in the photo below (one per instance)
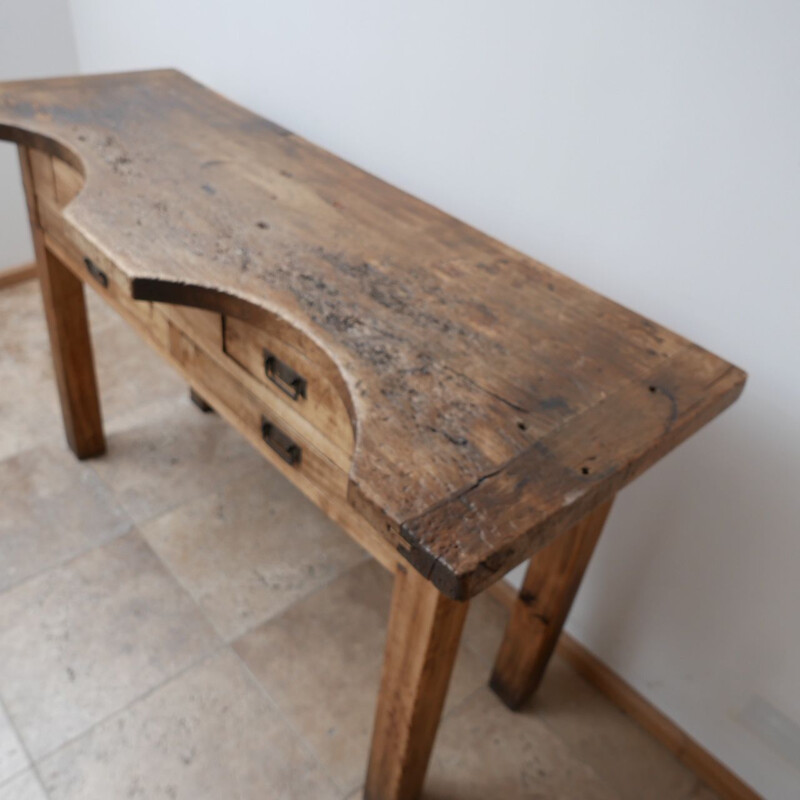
(284, 445)
(291, 377)
(198, 324)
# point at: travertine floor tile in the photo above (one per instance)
(600, 735)
(108, 638)
(12, 756)
(22, 327)
(23, 787)
(321, 663)
(169, 453)
(484, 751)
(130, 374)
(85, 639)
(28, 401)
(29, 409)
(210, 734)
(483, 631)
(101, 315)
(250, 550)
(53, 507)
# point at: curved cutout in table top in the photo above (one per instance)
(494, 400)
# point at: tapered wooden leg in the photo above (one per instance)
(424, 632)
(541, 609)
(71, 347)
(70, 343)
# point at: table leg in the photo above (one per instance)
(422, 641)
(70, 343)
(71, 347)
(544, 601)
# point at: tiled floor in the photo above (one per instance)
(178, 622)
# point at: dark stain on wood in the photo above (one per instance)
(479, 381)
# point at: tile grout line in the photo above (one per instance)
(345, 794)
(152, 690)
(90, 463)
(134, 525)
(69, 559)
(222, 642)
(221, 645)
(31, 763)
(89, 547)
(168, 401)
(304, 743)
(294, 602)
(230, 641)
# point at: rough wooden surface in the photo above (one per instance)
(541, 609)
(421, 646)
(493, 400)
(70, 343)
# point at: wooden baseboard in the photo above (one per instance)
(13, 275)
(713, 772)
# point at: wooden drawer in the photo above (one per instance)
(305, 424)
(275, 436)
(292, 376)
(201, 326)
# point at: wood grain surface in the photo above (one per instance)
(421, 647)
(493, 401)
(541, 609)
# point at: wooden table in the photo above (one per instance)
(454, 405)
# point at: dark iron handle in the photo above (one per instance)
(280, 442)
(283, 376)
(96, 272)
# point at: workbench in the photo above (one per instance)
(456, 406)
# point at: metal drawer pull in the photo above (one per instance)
(283, 376)
(280, 442)
(96, 272)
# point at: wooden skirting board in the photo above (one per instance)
(13, 275)
(715, 774)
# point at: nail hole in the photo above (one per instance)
(653, 388)
(522, 426)
(585, 470)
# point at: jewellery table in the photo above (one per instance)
(454, 405)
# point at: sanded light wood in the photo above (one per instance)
(421, 646)
(550, 585)
(493, 401)
(70, 344)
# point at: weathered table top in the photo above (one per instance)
(494, 401)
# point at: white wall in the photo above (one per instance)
(36, 40)
(647, 149)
